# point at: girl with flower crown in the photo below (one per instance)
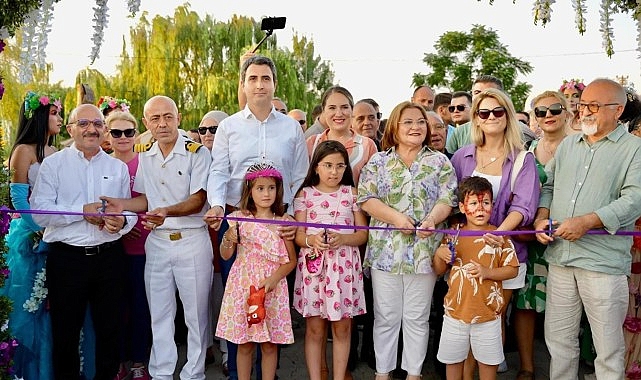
(572, 91)
(263, 261)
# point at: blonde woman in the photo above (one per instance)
(496, 142)
(123, 129)
(552, 114)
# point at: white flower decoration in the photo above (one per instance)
(100, 19)
(38, 293)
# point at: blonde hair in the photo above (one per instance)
(512, 141)
(390, 138)
(561, 99)
(119, 115)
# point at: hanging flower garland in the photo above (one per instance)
(100, 17)
(542, 11)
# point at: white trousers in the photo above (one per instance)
(401, 300)
(605, 299)
(185, 265)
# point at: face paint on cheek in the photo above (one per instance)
(478, 207)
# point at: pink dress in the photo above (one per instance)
(260, 253)
(336, 291)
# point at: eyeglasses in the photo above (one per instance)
(302, 122)
(84, 123)
(117, 133)
(458, 107)
(203, 130)
(437, 126)
(418, 123)
(497, 112)
(593, 107)
(330, 166)
(555, 109)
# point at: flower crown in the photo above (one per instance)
(109, 102)
(33, 100)
(262, 170)
(572, 83)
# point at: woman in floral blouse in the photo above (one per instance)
(408, 189)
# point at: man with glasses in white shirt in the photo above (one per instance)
(85, 262)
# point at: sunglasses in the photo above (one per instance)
(555, 109)
(117, 133)
(302, 122)
(458, 107)
(203, 130)
(497, 112)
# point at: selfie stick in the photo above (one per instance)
(268, 24)
(267, 34)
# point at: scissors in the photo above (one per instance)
(451, 244)
(103, 207)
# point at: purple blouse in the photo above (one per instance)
(526, 189)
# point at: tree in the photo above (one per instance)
(195, 61)
(460, 57)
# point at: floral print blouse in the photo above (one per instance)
(413, 191)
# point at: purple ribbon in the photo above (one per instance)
(4, 214)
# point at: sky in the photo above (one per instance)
(375, 49)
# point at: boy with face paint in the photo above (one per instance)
(474, 300)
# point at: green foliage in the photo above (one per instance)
(460, 57)
(14, 12)
(15, 90)
(195, 61)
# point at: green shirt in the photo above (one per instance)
(604, 178)
(459, 138)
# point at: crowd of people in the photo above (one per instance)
(437, 218)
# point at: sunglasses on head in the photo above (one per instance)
(117, 133)
(555, 109)
(497, 112)
(203, 130)
(458, 107)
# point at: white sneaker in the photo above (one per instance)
(502, 367)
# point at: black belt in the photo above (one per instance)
(87, 250)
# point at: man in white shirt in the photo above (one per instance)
(172, 180)
(256, 133)
(85, 260)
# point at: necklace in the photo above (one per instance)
(549, 151)
(492, 160)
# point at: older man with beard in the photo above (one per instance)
(594, 183)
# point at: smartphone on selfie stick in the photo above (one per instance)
(269, 24)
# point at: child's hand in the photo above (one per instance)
(335, 239)
(492, 240)
(268, 283)
(477, 270)
(443, 253)
(232, 232)
(286, 232)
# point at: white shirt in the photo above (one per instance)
(66, 182)
(242, 140)
(172, 179)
